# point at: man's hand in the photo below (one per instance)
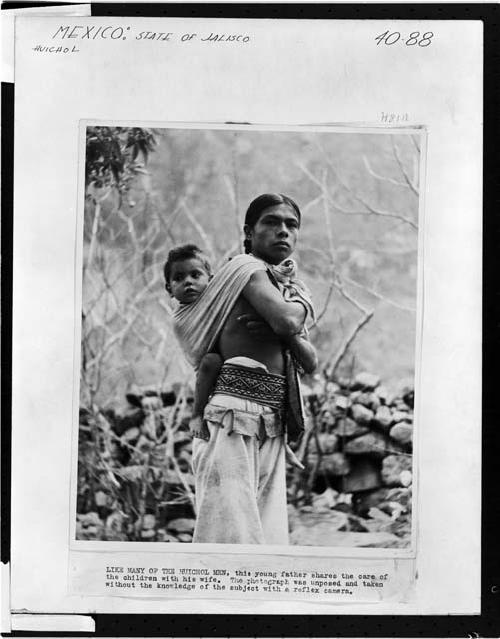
(292, 458)
(258, 327)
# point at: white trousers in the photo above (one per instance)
(240, 483)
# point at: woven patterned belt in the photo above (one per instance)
(247, 383)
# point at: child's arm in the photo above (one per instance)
(303, 351)
(206, 376)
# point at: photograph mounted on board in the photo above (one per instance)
(249, 331)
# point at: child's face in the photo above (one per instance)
(188, 280)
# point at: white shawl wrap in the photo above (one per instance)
(197, 325)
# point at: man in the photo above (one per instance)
(240, 466)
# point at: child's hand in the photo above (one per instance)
(292, 458)
(195, 425)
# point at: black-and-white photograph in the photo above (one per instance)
(249, 335)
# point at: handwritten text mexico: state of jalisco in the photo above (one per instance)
(110, 32)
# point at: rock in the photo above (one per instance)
(370, 400)
(365, 381)
(89, 519)
(376, 513)
(401, 416)
(185, 538)
(335, 464)
(364, 501)
(327, 418)
(317, 528)
(100, 498)
(89, 526)
(402, 433)
(406, 478)
(332, 389)
(394, 509)
(364, 475)
(181, 525)
(384, 499)
(373, 444)
(325, 500)
(344, 382)
(328, 442)
(406, 390)
(409, 398)
(181, 438)
(357, 524)
(151, 403)
(130, 435)
(148, 522)
(342, 402)
(132, 418)
(148, 534)
(163, 535)
(393, 466)
(383, 417)
(322, 529)
(383, 394)
(347, 427)
(167, 398)
(361, 414)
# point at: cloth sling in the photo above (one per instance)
(198, 325)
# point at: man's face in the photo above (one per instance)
(275, 234)
(188, 280)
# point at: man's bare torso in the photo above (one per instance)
(236, 340)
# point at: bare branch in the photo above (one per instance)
(232, 249)
(379, 296)
(370, 210)
(413, 138)
(382, 177)
(200, 230)
(407, 178)
(332, 367)
(319, 316)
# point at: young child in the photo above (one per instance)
(187, 273)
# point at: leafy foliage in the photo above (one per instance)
(113, 153)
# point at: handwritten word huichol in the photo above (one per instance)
(43, 49)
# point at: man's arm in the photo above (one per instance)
(304, 352)
(285, 318)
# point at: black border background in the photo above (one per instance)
(487, 624)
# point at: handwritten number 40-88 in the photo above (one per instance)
(415, 38)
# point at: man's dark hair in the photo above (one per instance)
(181, 253)
(260, 204)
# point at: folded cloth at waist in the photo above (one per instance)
(249, 362)
(252, 383)
(242, 416)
